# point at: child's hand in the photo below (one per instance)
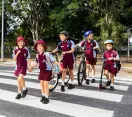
(30, 69)
(19, 51)
(63, 53)
(111, 58)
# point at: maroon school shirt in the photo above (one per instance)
(108, 54)
(66, 47)
(22, 58)
(90, 52)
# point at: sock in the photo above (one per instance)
(72, 82)
(43, 94)
(46, 96)
(24, 88)
(93, 77)
(108, 79)
(87, 78)
(112, 85)
(19, 92)
(62, 83)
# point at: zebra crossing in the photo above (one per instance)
(83, 101)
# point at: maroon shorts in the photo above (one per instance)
(68, 63)
(20, 71)
(45, 75)
(110, 69)
(91, 61)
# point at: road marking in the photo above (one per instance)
(57, 106)
(76, 92)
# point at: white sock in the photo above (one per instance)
(43, 94)
(112, 85)
(46, 96)
(72, 82)
(87, 78)
(108, 79)
(62, 83)
(19, 92)
(24, 88)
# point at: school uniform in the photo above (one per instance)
(110, 65)
(68, 58)
(44, 60)
(90, 53)
(21, 61)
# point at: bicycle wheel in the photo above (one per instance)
(53, 83)
(81, 72)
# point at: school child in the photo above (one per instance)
(22, 57)
(44, 61)
(110, 57)
(67, 47)
(90, 47)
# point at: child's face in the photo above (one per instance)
(40, 48)
(90, 36)
(21, 44)
(63, 37)
(109, 46)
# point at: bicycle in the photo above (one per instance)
(55, 78)
(81, 75)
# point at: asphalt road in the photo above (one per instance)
(83, 101)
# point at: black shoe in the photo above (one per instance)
(87, 81)
(46, 101)
(93, 80)
(108, 83)
(18, 96)
(111, 88)
(24, 93)
(62, 88)
(71, 86)
(42, 99)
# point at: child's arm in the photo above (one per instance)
(15, 55)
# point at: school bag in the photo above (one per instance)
(54, 67)
(118, 64)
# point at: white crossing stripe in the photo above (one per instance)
(57, 106)
(76, 92)
(118, 87)
(2, 116)
(127, 81)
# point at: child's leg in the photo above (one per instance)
(22, 81)
(93, 71)
(19, 86)
(71, 86)
(112, 79)
(106, 73)
(46, 88)
(63, 76)
(87, 70)
(42, 87)
(108, 78)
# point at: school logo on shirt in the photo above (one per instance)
(43, 61)
(24, 54)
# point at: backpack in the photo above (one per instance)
(96, 50)
(69, 45)
(54, 67)
(118, 64)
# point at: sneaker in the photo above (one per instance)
(87, 81)
(46, 101)
(71, 86)
(111, 88)
(42, 99)
(62, 88)
(93, 80)
(108, 83)
(24, 93)
(18, 96)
